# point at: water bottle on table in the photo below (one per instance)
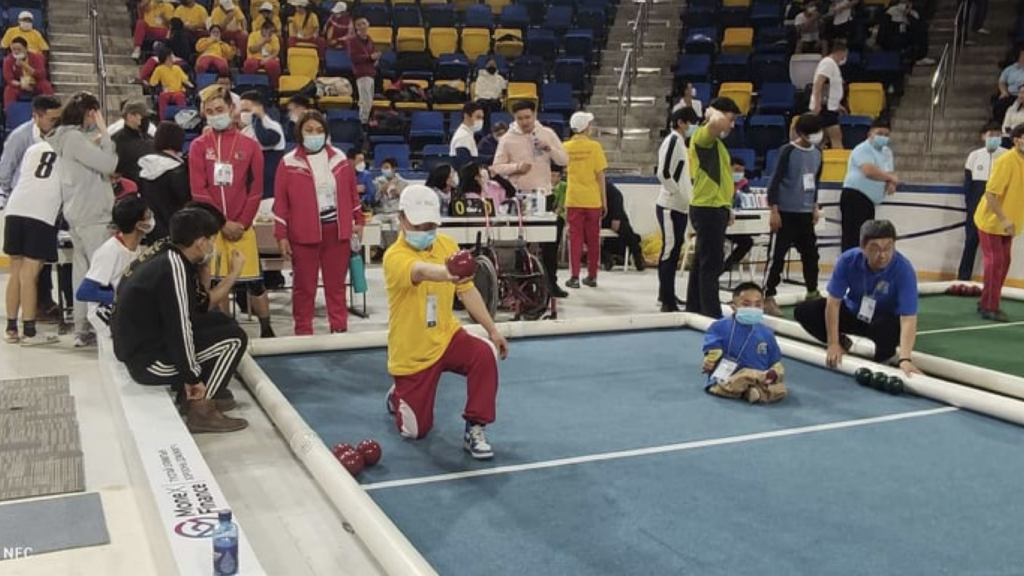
(225, 546)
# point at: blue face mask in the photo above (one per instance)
(691, 130)
(880, 141)
(314, 142)
(420, 240)
(737, 177)
(749, 316)
(219, 122)
(991, 144)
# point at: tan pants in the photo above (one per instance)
(751, 385)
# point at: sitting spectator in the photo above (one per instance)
(163, 336)
(1011, 79)
(118, 125)
(266, 13)
(367, 190)
(259, 8)
(304, 28)
(616, 219)
(214, 54)
(163, 177)
(841, 14)
(133, 141)
(444, 181)
(264, 53)
(132, 220)
(808, 26)
(231, 20)
(490, 86)
(24, 74)
(905, 30)
(1014, 113)
(389, 187)
(488, 145)
(689, 100)
(465, 135)
(36, 43)
(181, 41)
(741, 355)
(171, 80)
(154, 18)
(147, 68)
(338, 27)
(193, 16)
(741, 243)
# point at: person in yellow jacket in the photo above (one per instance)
(234, 27)
(214, 53)
(263, 12)
(194, 16)
(999, 218)
(25, 29)
(586, 200)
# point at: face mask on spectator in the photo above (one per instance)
(149, 225)
(991, 144)
(361, 167)
(478, 125)
(387, 173)
(245, 118)
(816, 138)
(19, 55)
(314, 142)
(25, 26)
(880, 141)
(420, 240)
(492, 69)
(219, 122)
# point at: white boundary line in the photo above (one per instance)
(657, 449)
(970, 328)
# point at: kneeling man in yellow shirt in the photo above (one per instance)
(424, 337)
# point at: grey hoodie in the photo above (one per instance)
(85, 176)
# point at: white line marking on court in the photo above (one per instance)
(657, 449)
(969, 328)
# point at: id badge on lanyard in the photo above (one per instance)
(223, 173)
(431, 311)
(725, 369)
(867, 309)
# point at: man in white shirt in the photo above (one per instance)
(673, 202)
(465, 135)
(828, 106)
(977, 170)
(807, 24)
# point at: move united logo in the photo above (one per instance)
(198, 527)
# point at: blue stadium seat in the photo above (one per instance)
(377, 14)
(346, 129)
(701, 41)
(554, 121)
(406, 15)
(453, 121)
(731, 68)
(738, 137)
(768, 68)
(170, 111)
(557, 98)
(440, 15)
(499, 60)
(766, 132)
(514, 16)
(855, 130)
(502, 117)
(243, 83)
(701, 16)
(427, 128)
(451, 67)
(692, 68)
(541, 43)
(572, 71)
(558, 19)
(527, 69)
(434, 155)
(337, 63)
(771, 40)
(853, 69)
(16, 114)
(338, 114)
(749, 158)
(478, 16)
(400, 152)
(703, 90)
(204, 80)
(884, 67)
(734, 17)
(534, 11)
(579, 43)
(771, 159)
(766, 14)
(593, 19)
(777, 98)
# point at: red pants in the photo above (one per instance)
(995, 252)
(168, 98)
(11, 93)
(467, 355)
(219, 65)
(319, 43)
(239, 38)
(584, 226)
(142, 31)
(272, 67)
(331, 256)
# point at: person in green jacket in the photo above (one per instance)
(557, 202)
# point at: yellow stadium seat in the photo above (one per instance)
(476, 42)
(738, 41)
(403, 1)
(866, 98)
(522, 91)
(834, 163)
(443, 41)
(289, 84)
(425, 85)
(497, 5)
(381, 36)
(740, 93)
(303, 62)
(460, 5)
(410, 39)
(735, 3)
(508, 42)
(454, 107)
(335, 102)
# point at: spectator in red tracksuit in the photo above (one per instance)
(364, 57)
(317, 214)
(24, 73)
(226, 171)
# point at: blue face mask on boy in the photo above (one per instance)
(420, 240)
(749, 316)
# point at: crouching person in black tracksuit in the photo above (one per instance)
(160, 334)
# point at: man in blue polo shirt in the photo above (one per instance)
(872, 293)
(870, 177)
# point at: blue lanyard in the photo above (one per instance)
(732, 332)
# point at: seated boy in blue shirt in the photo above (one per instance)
(741, 354)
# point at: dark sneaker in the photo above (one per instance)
(573, 283)
(475, 442)
(589, 281)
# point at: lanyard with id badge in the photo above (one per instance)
(727, 366)
(224, 172)
(866, 312)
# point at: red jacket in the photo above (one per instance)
(359, 51)
(296, 211)
(240, 200)
(12, 70)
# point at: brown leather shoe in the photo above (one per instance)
(225, 404)
(204, 417)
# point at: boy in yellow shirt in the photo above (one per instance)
(194, 16)
(586, 200)
(36, 43)
(264, 53)
(171, 79)
(231, 19)
(154, 18)
(214, 53)
(304, 28)
(999, 218)
(424, 337)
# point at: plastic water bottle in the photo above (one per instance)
(225, 546)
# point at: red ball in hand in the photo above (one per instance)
(340, 449)
(462, 264)
(352, 460)
(370, 451)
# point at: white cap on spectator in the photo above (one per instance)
(266, 7)
(580, 121)
(339, 7)
(227, 4)
(420, 205)
(26, 15)
(302, 3)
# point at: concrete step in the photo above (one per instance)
(918, 147)
(910, 112)
(927, 177)
(933, 161)
(945, 126)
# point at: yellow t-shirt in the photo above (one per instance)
(413, 346)
(171, 77)
(586, 164)
(254, 9)
(1007, 184)
(310, 30)
(258, 20)
(219, 48)
(36, 42)
(159, 14)
(270, 50)
(192, 16)
(220, 16)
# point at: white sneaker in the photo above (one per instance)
(926, 62)
(39, 340)
(389, 400)
(475, 442)
(137, 53)
(84, 339)
(983, 31)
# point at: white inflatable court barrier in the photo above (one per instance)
(385, 541)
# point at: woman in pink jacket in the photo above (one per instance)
(317, 214)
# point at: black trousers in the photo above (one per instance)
(219, 345)
(883, 330)
(702, 289)
(673, 234)
(741, 246)
(797, 231)
(549, 253)
(44, 289)
(611, 248)
(971, 199)
(855, 209)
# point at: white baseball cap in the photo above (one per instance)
(580, 120)
(26, 15)
(420, 205)
(339, 7)
(266, 6)
(302, 3)
(227, 4)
